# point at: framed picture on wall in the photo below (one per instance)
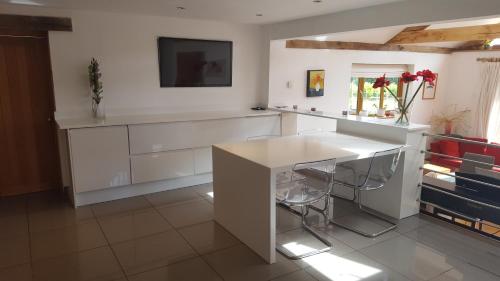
(429, 91)
(315, 83)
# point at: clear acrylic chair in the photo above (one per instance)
(382, 167)
(308, 184)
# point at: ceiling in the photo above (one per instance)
(382, 35)
(243, 11)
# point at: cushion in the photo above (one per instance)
(469, 167)
(495, 152)
(448, 162)
(450, 148)
(488, 173)
(435, 148)
(472, 148)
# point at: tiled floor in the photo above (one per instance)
(172, 236)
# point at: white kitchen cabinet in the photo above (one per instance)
(147, 138)
(99, 158)
(203, 160)
(162, 166)
(262, 126)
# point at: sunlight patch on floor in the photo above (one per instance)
(332, 266)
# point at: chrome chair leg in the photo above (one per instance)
(282, 250)
(391, 226)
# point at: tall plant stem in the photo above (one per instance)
(406, 94)
(414, 95)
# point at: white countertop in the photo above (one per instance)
(355, 118)
(75, 123)
(283, 152)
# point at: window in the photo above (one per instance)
(363, 96)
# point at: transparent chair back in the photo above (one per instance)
(382, 167)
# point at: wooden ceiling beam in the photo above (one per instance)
(358, 46)
(467, 33)
(409, 29)
(35, 23)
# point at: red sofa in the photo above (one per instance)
(458, 149)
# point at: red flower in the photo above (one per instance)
(428, 76)
(408, 77)
(381, 82)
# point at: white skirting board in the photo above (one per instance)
(92, 197)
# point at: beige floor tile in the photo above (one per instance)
(173, 197)
(152, 251)
(14, 250)
(13, 205)
(240, 264)
(93, 265)
(59, 217)
(190, 270)
(16, 273)
(65, 240)
(47, 200)
(300, 275)
(205, 190)
(208, 237)
(189, 213)
(120, 206)
(13, 225)
(410, 258)
(353, 266)
(134, 224)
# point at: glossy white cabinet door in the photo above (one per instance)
(262, 126)
(211, 132)
(203, 160)
(149, 138)
(163, 165)
(99, 157)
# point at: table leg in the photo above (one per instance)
(244, 201)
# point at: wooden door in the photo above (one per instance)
(28, 143)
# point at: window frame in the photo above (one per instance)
(361, 88)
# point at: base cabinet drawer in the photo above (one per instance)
(203, 160)
(99, 158)
(162, 166)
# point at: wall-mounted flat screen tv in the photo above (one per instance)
(195, 63)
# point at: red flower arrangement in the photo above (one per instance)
(407, 77)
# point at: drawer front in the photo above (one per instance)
(203, 160)
(99, 158)
(161, 166)
(211, 132)
(160, 137)
(262, 126)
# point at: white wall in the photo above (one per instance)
(464, 84)
(292, 65)
(126, 47)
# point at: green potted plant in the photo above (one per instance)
(96, 89)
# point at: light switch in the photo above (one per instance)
(289, 84)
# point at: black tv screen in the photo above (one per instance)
(195, 63)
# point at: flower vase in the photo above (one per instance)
(98, 110)
(403, 119)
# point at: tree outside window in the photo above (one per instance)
(364, 97)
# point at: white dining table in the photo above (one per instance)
(244, 179)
